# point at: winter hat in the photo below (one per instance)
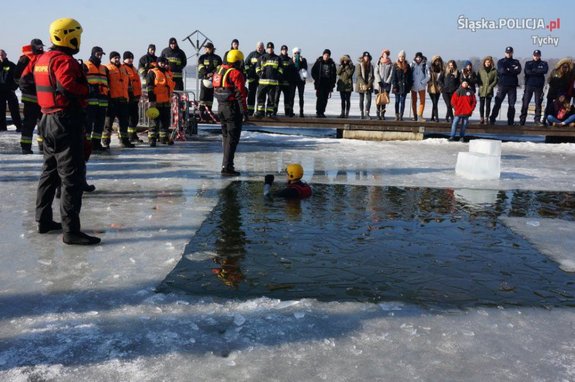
(366, 54)
(209, 45)
(326, 51)
(162, 59)
(173, 41)
(509, 49)
(97, 49)
(385, 51)
(127, 54)
(36, 43)
(296, 50)
(418, 54)
(401, 53)
(467, 63)
(284, 47)
(537, 52)
(270, 45)
(152, 46)
(114, 54)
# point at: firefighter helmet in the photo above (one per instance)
(234, 55)
(207, 83)
(294, 171)
(152, 112)
(66, 32)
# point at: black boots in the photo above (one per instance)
(79, 238)
(229, 171)
(45, 227)
(125, 142)
(72, 238)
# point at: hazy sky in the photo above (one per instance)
(346, 27)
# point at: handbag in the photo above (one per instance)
(363, 88)
(382, 98)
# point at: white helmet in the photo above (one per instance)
(296, 50)
(207, 84)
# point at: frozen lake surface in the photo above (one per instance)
(71, 313)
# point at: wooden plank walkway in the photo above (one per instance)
(426, 128)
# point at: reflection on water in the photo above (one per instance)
(431, 247)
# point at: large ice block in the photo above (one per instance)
(478, 166)
(485, 146)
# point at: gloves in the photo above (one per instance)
(268, 180)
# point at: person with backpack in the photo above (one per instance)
(230, 90)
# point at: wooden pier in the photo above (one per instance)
(374, 129)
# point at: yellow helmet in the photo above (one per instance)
(152, 112)
(66, 32)
(234, 55)
(294, 171)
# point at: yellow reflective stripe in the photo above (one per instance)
(268, 82)
(273, 64)
(27, 140)
(29, 98)
(176, 75)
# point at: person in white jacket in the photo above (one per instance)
(420, 79)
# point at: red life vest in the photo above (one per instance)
(60, 82)
(223, 89)
(303, 189)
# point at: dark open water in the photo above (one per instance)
(420, 246)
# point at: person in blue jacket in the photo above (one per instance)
(508, 70)
(535, 71)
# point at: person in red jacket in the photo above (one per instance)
(62, 91)
(295, 188)
(230, 91)
(463, 102)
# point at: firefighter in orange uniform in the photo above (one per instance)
(134, 95)
(62, 91)
(230, 91)
(24, 74)
(118, 82)
(160, 86)
(97, 98)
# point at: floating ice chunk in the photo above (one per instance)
(485, 146)
(533, 223)
(239, 320)
(477, 166)
(299, 315)
(391, 306)
(468, 333)
(567, 265)
(286, 304)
